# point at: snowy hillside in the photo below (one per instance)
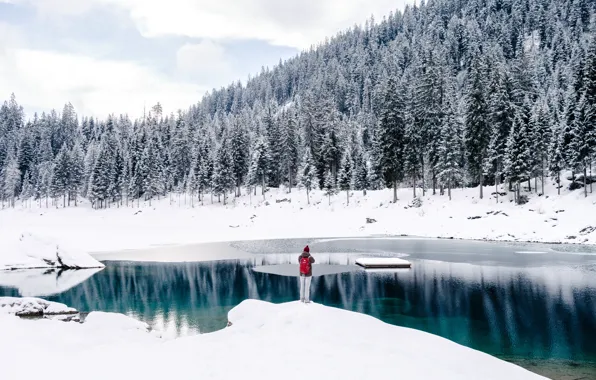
(291, 337)
(562, 218)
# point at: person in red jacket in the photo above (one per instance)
(306, 261)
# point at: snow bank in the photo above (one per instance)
(291, 338)
(566, 218)
(33, 307)
(27, 251)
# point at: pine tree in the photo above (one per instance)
(413, 164)
(203, 178)
(289, 149)
(240, 155)
(517, 156)
(223, 174)
(556, 160)
(476, 126)
(308, 175)
(392, 137)
(589, 104)
(11, 178)
(26, 188)
(449, 163)
(260, 163)
(360, 172)
(501, 115)
(540, 139)
(76, 172)
(330, 187)
(61, 176)
(345, 174)
(101, 178)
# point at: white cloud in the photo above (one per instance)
(294, 23)
(46, 80)
(205, 63)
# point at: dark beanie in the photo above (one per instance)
(306, 249)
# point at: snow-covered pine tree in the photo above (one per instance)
(11, 178)
(449, 167)
(360, 172)
(413, 163)
(392, 136)
(290, 145)
(76, 173)
(477, 130)
(61, 175)
(180, 149)
(345, 174)
(330, 185)
(101, 178)
(589, 93)
(501, 115)
(308, 175)
(260, 163)
(517, 156)
(203, 178)
(556, 160)
(240, 149)
(273, 135)
(26, 189)
(223, 174)
(540, 139)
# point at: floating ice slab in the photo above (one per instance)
(293, 270)
(383, 262)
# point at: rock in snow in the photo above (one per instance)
(33, 307)
(29, 251)
(264, 341)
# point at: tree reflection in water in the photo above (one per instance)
(545, 312)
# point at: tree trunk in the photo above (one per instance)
(307, 196)
(394, 191)
(536, 184)
(348, 196)
(496, 188)
(559, 183)
(529, 184)
(434, 183)
(542, 177)
(263, 186)
(518, 192)
(414, 187)
(423, 179)
(289, 178)
(449, 188)
(591, 176)
(481, 183)
(585, 181)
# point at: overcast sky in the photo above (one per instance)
(114, 56)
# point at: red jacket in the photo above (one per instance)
(312, 260)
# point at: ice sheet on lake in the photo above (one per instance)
(293, 270)
(44, 282)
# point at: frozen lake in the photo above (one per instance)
(526, 303)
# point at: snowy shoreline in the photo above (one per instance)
(26, 251)
(278, 329)
(550, 219)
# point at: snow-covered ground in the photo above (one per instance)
(294, 341)
(30, 251)
(568, 218)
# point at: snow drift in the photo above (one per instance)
(333, 343)
(28, 251)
